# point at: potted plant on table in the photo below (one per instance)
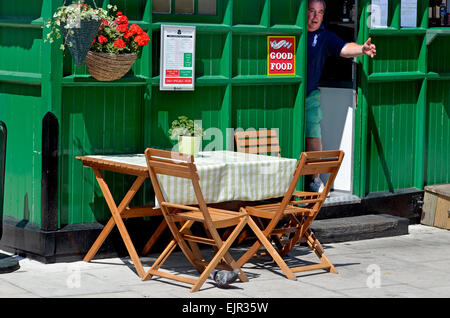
(115, 48)
(188, 133)
(77, 24)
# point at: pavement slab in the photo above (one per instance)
(408, 266)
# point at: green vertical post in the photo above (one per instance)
(419, 142)
(226, 71)
(395, 24)
(146, 66)
(420, 132)
(361, 162)
(265, 16)
(299, 108)
(51, 89)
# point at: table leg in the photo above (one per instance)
(116, 219)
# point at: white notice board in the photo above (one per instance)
(408, 14)
(177, 57)
(379, 14)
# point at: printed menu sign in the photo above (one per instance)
(280, 55)
(379, 13)
(177, 57)
(408, 14)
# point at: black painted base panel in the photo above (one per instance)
(72, 242)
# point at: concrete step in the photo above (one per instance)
(359, 228)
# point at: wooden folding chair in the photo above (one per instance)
(258, 141)
(180, 219)
(261, 142)
(301, 208)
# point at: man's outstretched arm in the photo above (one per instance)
(353, 49)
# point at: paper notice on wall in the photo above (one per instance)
(177, 57)
(379, 11)
(408, 14)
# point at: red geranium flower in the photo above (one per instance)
(102, 39)
(136, 29)
(105, 22)
(122, 28)
(119, 43)
(119, 13)
(128, 34)
(122, 20)
(142, 39)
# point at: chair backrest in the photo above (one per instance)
(315, 162)
(163, 162)
(258, 142)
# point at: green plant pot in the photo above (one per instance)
(189, 145)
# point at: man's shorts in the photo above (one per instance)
(313, 114)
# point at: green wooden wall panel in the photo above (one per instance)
(392, 55)
(21, 10)
(390, 144)
(284, 12)
(248, 12)
(20, 111)
(436, 51)
(96, 121)
(210, 56)
(130, 114)
(408, 81)
(204, 104)
(249, 55)
(20, 49)
(265, 107)
(438, 133)
(134, 10)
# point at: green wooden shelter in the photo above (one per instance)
(397, 128)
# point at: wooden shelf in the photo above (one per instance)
(284, 28)
(88, 80)
(438, 76)
(264, 79)
(21, 77)
(396, 76)
(200, 27)
(212, 80)
(399, 32)
(22, 23)
(433, 32)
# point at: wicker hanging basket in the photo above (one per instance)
(108, 67)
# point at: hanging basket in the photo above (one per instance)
(80, 41)
(109, 67)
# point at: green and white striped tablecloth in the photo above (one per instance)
(225, 176)
(229, 176)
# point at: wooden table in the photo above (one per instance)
(98, 163)
(224, 176)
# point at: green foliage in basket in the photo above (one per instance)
(69, 17)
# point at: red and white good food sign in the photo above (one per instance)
(281, 55)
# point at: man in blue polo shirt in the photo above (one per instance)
(321, 44)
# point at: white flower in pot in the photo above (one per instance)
(189, 135)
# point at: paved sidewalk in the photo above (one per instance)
(413, 265)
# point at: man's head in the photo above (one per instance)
(316, 10)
